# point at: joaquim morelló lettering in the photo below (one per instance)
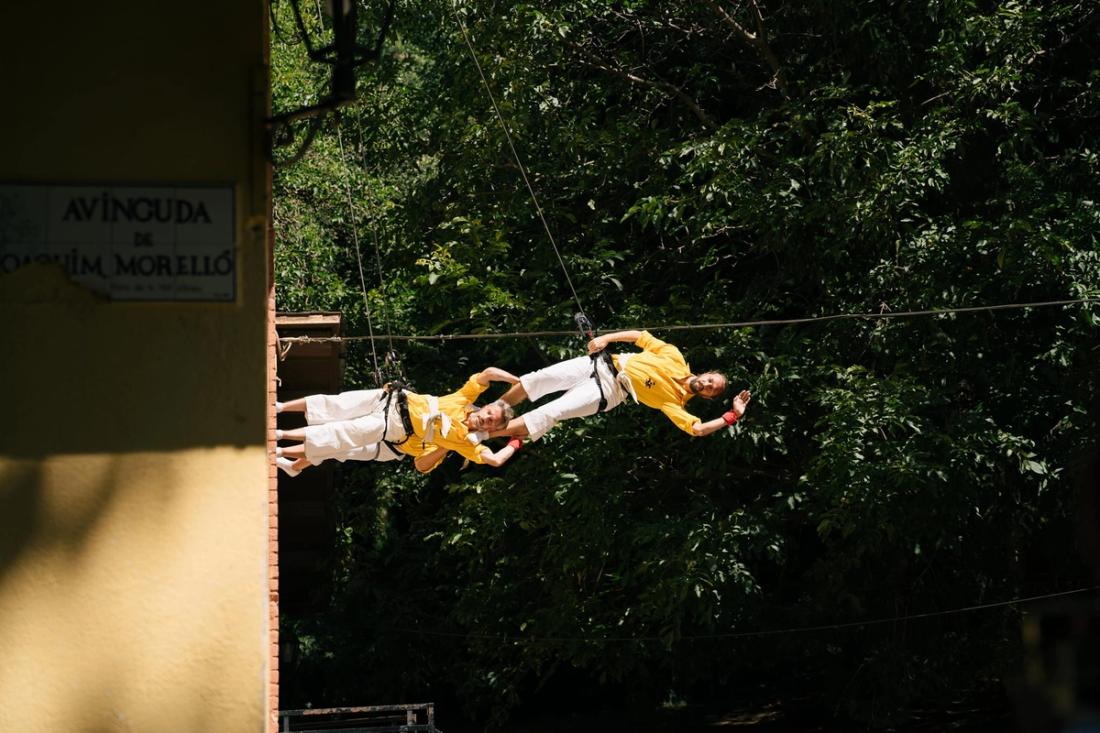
(128, 242)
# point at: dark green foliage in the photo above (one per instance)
(904, 155)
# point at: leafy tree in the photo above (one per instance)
(697, 163)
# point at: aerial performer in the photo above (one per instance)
(380, 424)
(657, 376)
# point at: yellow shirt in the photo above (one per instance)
(454, 406)
(653, 374)
(416, 448)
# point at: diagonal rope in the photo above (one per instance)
(354, 218)
(712, 326)
(358, 254)
(515, 154)
(752, 634)
(382, 280)
(378, 259)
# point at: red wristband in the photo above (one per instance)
(730, 417)
(515, 443)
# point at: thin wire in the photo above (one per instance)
(382, 281)
(377, 256)
(354, 224)
(359, 255)
(747, 634)
(712, 326)
(515, 154)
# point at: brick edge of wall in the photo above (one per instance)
(272, 478)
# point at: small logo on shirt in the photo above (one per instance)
(648, 382)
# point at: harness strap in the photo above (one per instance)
(402, 409)
(588, 332)
(596, 376)
(393, 449)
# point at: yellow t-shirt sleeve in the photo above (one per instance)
(652, 344)
(680, 417)
(472, 389)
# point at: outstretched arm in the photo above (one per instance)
(501, 456)
(600, 342)
(740, 402)
(494, 374)
(429, 461)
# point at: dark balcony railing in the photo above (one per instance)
(412, 718)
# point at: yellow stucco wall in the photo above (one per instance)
(133, 467)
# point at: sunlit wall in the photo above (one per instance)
(134, 482)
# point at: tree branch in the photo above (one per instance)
(597, 63)
(757, 41)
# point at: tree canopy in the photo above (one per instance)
(702, 162)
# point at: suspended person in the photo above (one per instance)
(380, 422)
(657, 376)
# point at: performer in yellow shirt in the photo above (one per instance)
(352, 424)
(658, 377)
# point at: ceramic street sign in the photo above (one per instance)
(158, 243)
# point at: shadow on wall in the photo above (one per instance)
(92, 376)
(82, 541)
(21, 497)
(79, 506)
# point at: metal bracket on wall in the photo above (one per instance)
(344, 55)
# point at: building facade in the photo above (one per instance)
(138, 565)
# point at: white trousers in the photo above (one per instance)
(376, 452)
(352, 426)
(581, 398)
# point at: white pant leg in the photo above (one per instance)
(324, 408)
(580, 401)
(557, 377)
(335, 439)
(375, 452)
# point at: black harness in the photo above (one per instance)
(396, 388)
(596, 375)
(588, 332)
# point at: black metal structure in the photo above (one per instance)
(411, 718)
(344, 55)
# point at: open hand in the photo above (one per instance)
(741, 401)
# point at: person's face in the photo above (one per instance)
(709, 385)
(490, 417)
